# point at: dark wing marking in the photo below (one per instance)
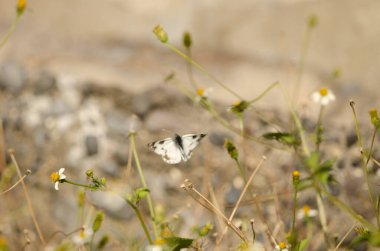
(189, 142)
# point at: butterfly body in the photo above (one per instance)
(177, 149)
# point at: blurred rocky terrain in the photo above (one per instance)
(76, 75)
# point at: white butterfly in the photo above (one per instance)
(173, 150)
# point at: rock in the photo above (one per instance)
(157, 97)
(351, 139)
(161, 119)
(232, 195)
(13, 78)
(121, 156)
(118, 123)
(47, 83)
(110, 168)
(217, 138)
(112, 203)
(92, 145)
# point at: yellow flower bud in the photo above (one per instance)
(160, 33)
(21, 4)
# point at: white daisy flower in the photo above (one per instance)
(306, 212)
(202, 94)
(83, 236)
(282, 246)
(324, 96)
(153, 248)
(57, 177)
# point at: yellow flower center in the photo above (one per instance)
(306, 210)
(159, 241)
(323, 91)
(200, 92)
(54, 177)
(282, 245)
(296, 174)
(236, 103)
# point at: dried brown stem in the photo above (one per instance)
(28, 200)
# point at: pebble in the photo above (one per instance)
(112, 203)
(13, 77)
(47, 83)
(217, 138)
(92, 147)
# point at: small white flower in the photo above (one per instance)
(281, 246)
(153, 248)
(306, 212)
(202, 94)
(324, 96)
(83, 236)
(56, 177)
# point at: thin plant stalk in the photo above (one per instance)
(304, 51)
(241, 197)
(28, 172)
(372, 143)
(189, 187)
(10, 31)
(202, 69)
(347, 209)
(298, 124)
(28, 200)
(344, 237)
(318, 130)
(292, 231)
(141, 174)
(141, 219)
(79, 184)
(365, 167)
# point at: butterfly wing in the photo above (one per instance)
(189, 142)
(168, 149)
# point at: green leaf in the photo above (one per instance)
(312, 162)
(305, 184)
(141, 193)
(176, 243)
(283, 137)
(302, 245)
(374, 239)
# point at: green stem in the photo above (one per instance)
(141, 219)
(78, 184)
(365, 169)
(318, 129)
(10, 31)
(294, 213)
(301, 132)
(347, 209)
(263, 93)
(304, 50)
(372, 142)
(139, 169)
(190, 71)
(202, 69)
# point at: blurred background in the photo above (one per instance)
(74, 72)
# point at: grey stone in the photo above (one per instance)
(112, 203)
(46, 83)
(117, 122)
(13, 77)
(217, 138)
(92, 145)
